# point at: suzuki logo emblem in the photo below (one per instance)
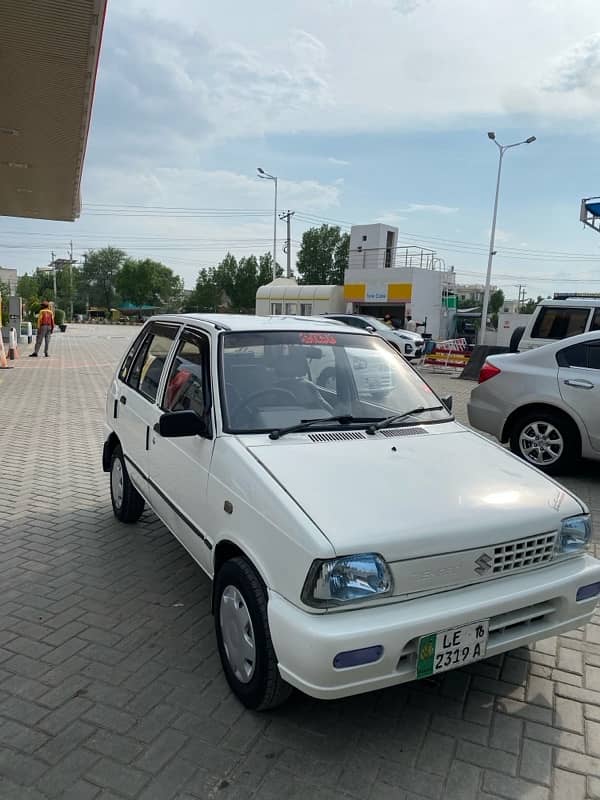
(484, 564)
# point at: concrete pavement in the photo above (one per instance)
(110, 685)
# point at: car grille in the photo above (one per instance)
(336, 436)
(523, 553)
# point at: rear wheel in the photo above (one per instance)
(244, 639)
(127, 502)
(547, 441)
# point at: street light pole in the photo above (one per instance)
(488, 277)
(266, 176)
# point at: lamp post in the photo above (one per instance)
(502, 148)
(265, 176)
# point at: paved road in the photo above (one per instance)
(110, 685)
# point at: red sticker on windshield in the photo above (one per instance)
(317, 338)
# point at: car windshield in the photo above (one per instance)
(274, 380)
(377, 324)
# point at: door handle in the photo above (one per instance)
(579, 384)
(123, 400)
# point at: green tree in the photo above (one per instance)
(100, 270)
(28, 287)
(496, 301)
(323, 255)
(265, 269)
(206, 295)
(529, 306)
(148, 282)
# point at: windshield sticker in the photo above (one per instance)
(318, 338)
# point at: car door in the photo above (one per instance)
(579, 382)
(135, 407)
(179, 467)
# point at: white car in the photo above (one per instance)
(553, 320)
(409, 343)
(545, 402)
(347, 552)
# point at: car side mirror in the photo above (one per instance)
(448, 402)
(173, 424)
(370, 328)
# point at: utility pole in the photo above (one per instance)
(288, 242)
(522, 292)
(54, 276)
(71, 279)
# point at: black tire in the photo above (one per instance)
(128, 505)
(560, 432)
(515, 339)
(264, 688)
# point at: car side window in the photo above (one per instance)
(187, 385)
(150, 360)
(586, 356)
(129, 357)
(554, 322)
(595, 326)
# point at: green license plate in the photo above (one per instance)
(439, 652)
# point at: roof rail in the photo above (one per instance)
(576, 296)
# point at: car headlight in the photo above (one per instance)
(575, 534)
(347, 580)
(409, 348)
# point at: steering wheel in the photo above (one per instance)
(255, 395)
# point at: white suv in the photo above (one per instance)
(333, 571)
(554, 320)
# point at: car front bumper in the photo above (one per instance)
(521, 609)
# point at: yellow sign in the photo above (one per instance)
(400, 292)
(354, 292)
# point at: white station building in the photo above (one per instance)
(382, 278)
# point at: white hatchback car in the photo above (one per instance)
(346, 552)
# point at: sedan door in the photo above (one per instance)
(179, 467)
(135, 409)
(579, 382)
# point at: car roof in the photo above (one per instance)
(546, 353)
(575, 302)
(250, 322)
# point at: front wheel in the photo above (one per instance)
(244, 639)
(127, 502)
(546, 440)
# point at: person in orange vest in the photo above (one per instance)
(45, 328)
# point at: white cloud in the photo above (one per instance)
(338, 162)
(428, 208)
(577, 68)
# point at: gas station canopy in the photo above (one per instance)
(49, 53)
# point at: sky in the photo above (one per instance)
(366, 110)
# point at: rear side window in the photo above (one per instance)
(586, 356)
(150, 360)
(595, 326)
(558, 323)
(130, 356)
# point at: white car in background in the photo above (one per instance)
(544, 402)
(409, 343)
(336, 568)
(553, 320)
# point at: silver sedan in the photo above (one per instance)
(545, 402)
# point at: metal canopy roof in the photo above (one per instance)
(49, 53)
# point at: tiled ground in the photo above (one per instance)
(110, 685)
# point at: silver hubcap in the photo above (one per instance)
(238, 634)
(541, 443)
(116, 482)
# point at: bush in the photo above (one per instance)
(59, 316)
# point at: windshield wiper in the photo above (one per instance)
(384, 423)
(343, 419)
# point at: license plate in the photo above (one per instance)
(452, 648)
